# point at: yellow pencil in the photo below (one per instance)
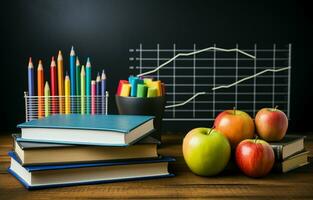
(47, 96)
(67, 94)
(60, 83)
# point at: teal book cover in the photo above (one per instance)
(117, 123)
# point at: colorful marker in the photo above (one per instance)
(31, 89)
(88, 88)
(53, 80)
(67, 94)
(40, 88)
(83, 91)
(61, 83)
(47, 96)
(120, 86)
(125, 91)
(72, 78)
(103, 90)
(152, 92)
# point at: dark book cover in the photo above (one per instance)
(288, 140)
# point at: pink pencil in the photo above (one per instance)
(93, 97)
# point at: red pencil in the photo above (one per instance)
(54, 80)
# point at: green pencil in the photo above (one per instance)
(47, 102)
(88, 85)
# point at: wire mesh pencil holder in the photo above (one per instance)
(37, 107)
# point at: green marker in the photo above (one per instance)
(152, 92)
(142, 90)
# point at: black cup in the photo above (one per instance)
(153, 106)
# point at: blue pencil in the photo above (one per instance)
(73, 81)
(103, 90)
(31, 89)
(88, 86)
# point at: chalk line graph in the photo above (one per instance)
(228, 86)
(248, 75)
(194, 53)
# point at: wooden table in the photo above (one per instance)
(229, 185)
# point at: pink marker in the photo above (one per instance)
(93, 97)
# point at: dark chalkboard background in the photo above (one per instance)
(105, 30)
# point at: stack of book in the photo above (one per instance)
(63, 150)
(290, 153)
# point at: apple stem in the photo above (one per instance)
(256, 138)
(211, 130)
(276, 107)
(234, 109)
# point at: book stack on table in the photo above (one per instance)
(63, 150)
(290, 153)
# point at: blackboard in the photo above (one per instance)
(106, 30)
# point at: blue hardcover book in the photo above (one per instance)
(39, 177)
(102, 130)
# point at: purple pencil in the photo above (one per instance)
(98, 88)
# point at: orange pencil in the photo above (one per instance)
(61, 83)
(40, 88)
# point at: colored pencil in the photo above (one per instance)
(61, 83)
(93, 97)
(53, 79)
(31, 89)
(40, 88)
(77, 98)
(103, 90)
(88, 88)
(83, 91)
(72, 78)
(47, 96)
(98, 90)
(67, 94)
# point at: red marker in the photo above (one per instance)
(119, 88)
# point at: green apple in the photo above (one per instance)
(206, 151)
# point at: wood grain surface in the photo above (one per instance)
(231, 184)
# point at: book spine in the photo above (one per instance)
(278, 151)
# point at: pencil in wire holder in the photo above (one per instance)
(37, 107)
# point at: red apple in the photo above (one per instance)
(271, 124)
(236, 125)
(255, 157)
